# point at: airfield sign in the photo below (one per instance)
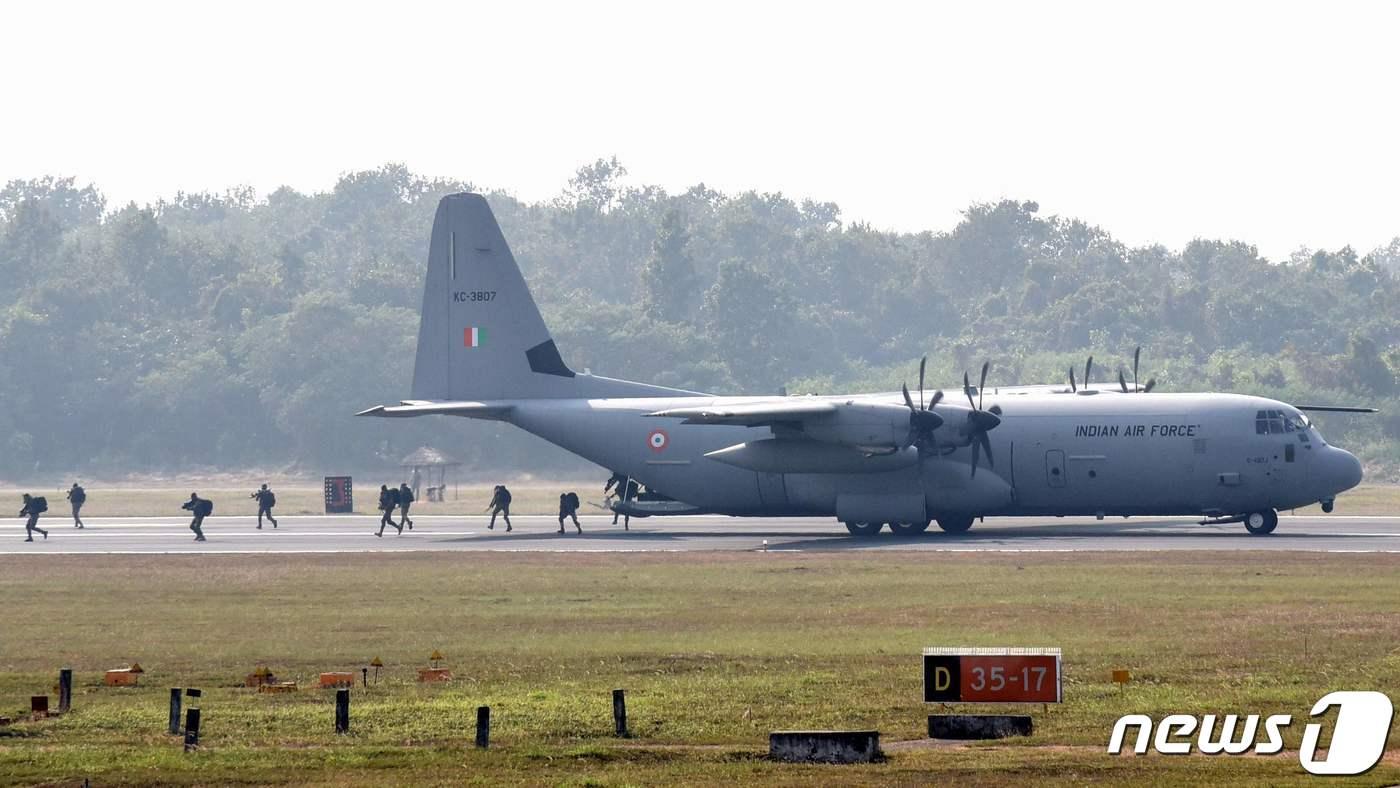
(992, 675)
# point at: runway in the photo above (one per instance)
(355, 533)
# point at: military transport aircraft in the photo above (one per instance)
(868, 459)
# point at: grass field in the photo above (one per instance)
(715, 650)
(529, 497)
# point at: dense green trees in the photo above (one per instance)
(227, 330)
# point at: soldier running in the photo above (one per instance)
(387, 504)
(626, 490)
(266, 500)
(33, 507)
(500, 504)
(405, 500)
(77, 496)
(568, 507)
(200, 508)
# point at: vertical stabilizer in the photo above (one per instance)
(481, 335)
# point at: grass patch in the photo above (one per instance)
(715, 650)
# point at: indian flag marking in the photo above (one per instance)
(473, 336)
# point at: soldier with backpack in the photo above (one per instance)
(625, 490)
(33, 507)
(568, 507)
(405, 499)
(388, 501)
(266, 500)
(500, 504)
(200, 508)
(77, 496)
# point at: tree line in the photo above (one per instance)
(232, 330)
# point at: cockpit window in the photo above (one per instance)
(1268, 422)
(1276, 422)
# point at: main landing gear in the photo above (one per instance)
(952, 525)
(1261, 523)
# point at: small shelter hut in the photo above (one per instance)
(428, 463)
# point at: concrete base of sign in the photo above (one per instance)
(825, 746)
(978, 726)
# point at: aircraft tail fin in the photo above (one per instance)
(482, 336)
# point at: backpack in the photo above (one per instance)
(405, 495)
(38, 504)
(505, 496)
(394, 497)
(204, 507)
(572, 500)
(269, 500)
(77, 495)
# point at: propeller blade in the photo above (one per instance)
(967, 389)
(1151, 382)
(1088, 365)
(1137, 353)
(907, 400)
(982, 384)
(987, 447)
(1123, 384)
(1072, 387)
(1336, 409)
(975, 446)
(937, 398)
(922, 363)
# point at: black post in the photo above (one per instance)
(342, 711)
(174, 711)
(364, 675)
(65, 689)
(191, 730)
(483, 726)
(620, 713)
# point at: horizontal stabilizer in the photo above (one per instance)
(475, 410)
(655, 508)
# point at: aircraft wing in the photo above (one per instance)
(751, 414)
(476, 410)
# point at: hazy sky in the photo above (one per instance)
(1276, 123)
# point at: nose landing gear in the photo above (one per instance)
(1327, 504)
(1261, 523)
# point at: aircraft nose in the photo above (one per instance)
(1346, 469)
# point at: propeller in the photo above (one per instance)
(980, 422)
(922, 420)
(1151, 382)
(1088, 367)
(1072, 388)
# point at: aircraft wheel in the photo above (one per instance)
(1261, 523)
(908, 529)
(864, 529)
(955, 525)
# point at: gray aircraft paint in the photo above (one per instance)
(1097, 451)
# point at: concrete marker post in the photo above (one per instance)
(191, 730)
(175, 711)
(65, 690)
(342, 711)
(620, 713)
(192, 717)
(483, 726)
